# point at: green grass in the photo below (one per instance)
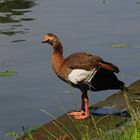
(127, 131)
(130, 130)
(131, 133)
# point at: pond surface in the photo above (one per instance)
(91, 26)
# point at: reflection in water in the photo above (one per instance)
(11, 12)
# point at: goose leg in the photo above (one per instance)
(84, 113)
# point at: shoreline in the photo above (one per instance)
(66, 128)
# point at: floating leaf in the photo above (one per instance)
(120, 45)
(8, 73)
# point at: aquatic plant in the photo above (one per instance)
(7, 73)
(120, 45)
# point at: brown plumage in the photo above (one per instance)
(82, 60)
(78, 68)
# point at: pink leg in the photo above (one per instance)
(82, 114)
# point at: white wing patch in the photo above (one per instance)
(78, 75)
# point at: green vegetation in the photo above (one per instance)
(8, 73)
(12, 134)
(125, 132)
(26, 131)
(131, 133)
(108, 127)
(120, 45)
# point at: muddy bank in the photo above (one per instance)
(106, 115)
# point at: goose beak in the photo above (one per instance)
(43, 41)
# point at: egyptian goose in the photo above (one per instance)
(84, 71)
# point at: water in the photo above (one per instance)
(91, 26)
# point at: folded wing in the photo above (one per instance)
(88, 62)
